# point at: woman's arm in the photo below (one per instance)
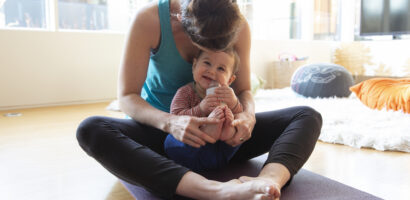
(143, 36)
(242, 84)
(244, 121)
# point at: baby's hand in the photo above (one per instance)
(226, 95)
(208, 104)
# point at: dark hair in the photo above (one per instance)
(231, 52)
(212, 24)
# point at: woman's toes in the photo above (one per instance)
(269, 189)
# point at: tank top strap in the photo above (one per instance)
(167, 38)
(167, 70)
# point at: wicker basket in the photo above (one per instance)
(282, 73)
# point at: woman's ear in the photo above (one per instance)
(232, 79)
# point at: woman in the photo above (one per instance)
(161, 44)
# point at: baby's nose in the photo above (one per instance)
(212, 71)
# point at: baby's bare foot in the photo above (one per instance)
(227, 129)
(214, 130)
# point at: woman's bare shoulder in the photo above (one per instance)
(146, 23)
(148, 12)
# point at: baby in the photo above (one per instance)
(208, 96)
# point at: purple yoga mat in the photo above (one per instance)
(305, 185)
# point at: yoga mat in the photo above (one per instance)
(305, 185)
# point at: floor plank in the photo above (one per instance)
(40, 159)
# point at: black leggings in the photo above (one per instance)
(135, 153)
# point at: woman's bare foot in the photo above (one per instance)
(214, 130)
(227, 129)
(252, 189)
(198, 187)
(272, 188)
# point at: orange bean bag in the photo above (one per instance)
(379, 93)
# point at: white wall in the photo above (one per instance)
(39, 68)
(42, 68)
(265, 52)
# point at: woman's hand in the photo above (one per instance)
(186, 129)
(227, 95)
(244, 123)
(208, 104)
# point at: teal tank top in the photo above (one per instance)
(167, 70)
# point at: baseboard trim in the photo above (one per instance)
(64, 103)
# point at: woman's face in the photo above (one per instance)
(213, 66)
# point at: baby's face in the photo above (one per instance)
(213, 66)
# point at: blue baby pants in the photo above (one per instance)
(210, 156)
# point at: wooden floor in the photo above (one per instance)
(40, 159)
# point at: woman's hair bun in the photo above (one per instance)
(210, 19)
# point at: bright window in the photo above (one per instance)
(112, 15)
(292, 19)
(89, 15)
(83, 14)
(269, 19)
(326, 20)
(272, 19)
(23, 14)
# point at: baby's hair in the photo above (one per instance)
(211, 23)
(231, 52)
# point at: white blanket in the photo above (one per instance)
(346, 120)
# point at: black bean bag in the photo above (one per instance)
(322, 80)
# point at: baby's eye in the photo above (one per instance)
(207, 63)
(221, 69)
